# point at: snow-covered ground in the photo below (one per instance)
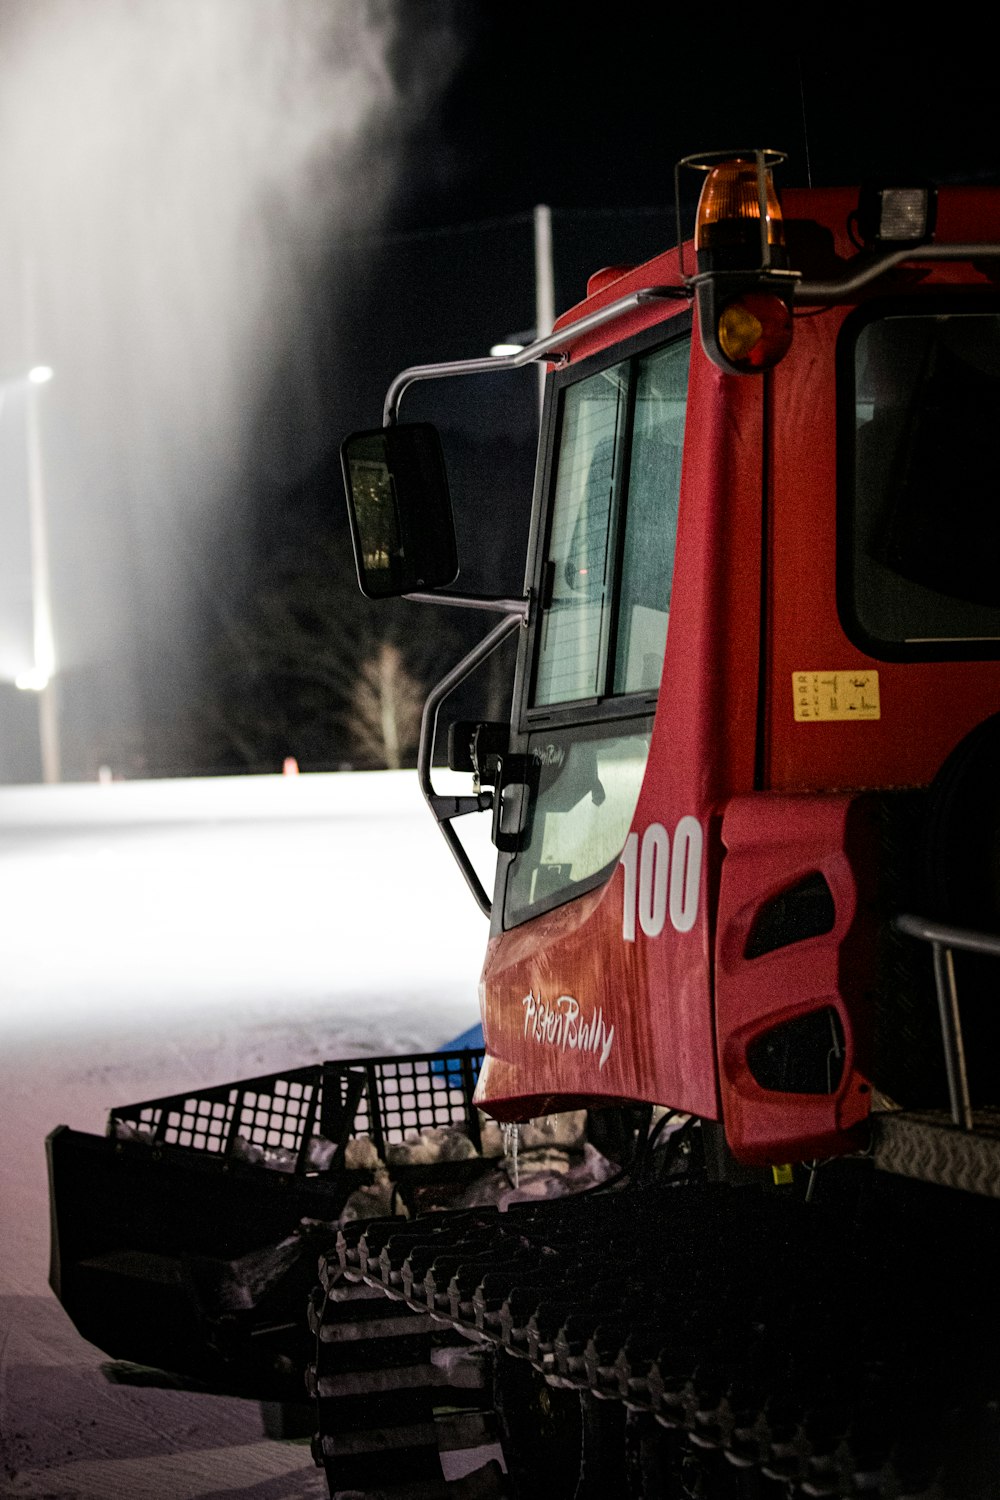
(171, 935)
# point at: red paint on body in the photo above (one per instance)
(774, 797)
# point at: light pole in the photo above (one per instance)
(545, 297)
(41, 678)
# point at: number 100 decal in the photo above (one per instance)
(661, 880)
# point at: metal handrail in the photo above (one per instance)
(965, 938)
(445, 808)
(944, 939)
(854, 277)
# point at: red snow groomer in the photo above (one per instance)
(746, 913)
(748, 819)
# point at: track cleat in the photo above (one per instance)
(672, 1397)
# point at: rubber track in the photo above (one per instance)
(819, 1358)
(379, 1379)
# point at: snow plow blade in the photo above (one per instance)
(187, 1238)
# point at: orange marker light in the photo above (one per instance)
(754, 331)
(743, 285)
(727, 232)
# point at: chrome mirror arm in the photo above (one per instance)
(552, 348)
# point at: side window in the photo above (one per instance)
(606, 586)
(923, 489)
(654, 487)
(578, 571)
(607, 579)
(586, 788)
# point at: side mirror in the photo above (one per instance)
(401, 517)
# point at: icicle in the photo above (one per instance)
(511, 1141)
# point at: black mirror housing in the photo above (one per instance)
(400, 510)
(477, 747)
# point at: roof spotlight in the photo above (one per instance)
(896, 215)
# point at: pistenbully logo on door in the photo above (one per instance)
(561, 1024)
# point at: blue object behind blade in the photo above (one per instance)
(468, 1041)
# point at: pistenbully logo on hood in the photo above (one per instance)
(561, 1024)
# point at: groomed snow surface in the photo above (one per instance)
(159, 936)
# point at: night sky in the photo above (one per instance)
(228, 223)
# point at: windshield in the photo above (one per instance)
(603, 626)
(925, 532)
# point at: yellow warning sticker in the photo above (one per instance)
(835, 695)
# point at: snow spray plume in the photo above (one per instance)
(169, 171)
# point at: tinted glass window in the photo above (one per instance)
(578, 572)
(603, 627)
(925, 533)
(654, 487)
(606, 587)
(585, 788)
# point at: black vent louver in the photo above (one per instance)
(801, 1056)
(802, 911)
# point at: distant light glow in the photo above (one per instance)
(34, 680)
(500, 350)
(40, 374)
